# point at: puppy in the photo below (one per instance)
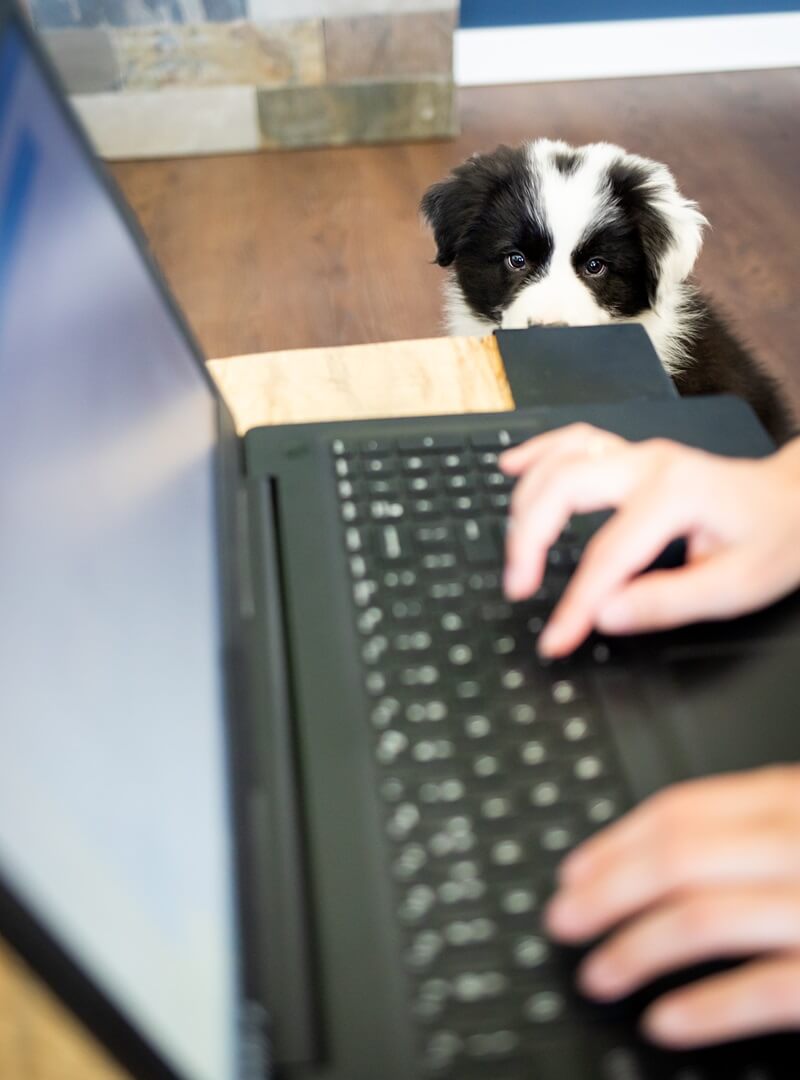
(547, 234)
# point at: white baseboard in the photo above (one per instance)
(602, 50)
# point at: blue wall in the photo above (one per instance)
(520, 12)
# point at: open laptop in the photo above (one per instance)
(282, 783)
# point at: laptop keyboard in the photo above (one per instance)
(491, 762)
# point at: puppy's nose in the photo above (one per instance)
(534, 322)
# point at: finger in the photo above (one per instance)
(712, 856)
(574, 437)
(757, 998)
(624, 546)
(718, 922)
(525, 498)
(579, 486)
(732, 798)
(719, 587)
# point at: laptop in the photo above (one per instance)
(283, 785)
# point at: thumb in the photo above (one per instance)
(712, 589)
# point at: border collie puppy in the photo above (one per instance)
(546, 234)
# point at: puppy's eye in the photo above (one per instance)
(516, 261)
(595, 267)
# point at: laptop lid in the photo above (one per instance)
(116, 839)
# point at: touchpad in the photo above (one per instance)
(735, 707)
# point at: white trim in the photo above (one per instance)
(600, 50)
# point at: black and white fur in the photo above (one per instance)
(548, 234)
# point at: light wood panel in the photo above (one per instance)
(39, 1039)
(402, 378)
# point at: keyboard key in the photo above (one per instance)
(589, 767)
(477, 726)
(545, 793)
(460, 655)
(434, 536)
(564, 692)
(407, 609)
(486, 765)
(497, 612)
(380, 466)
(518, 901)
(513, 679)
(507, 852)
(576, 728)
(456, 462)
(370, 447)
(426, 443)
(427, 508)
(418, 463)
(491, 440)
(530, 952)
(458, 483)
(446, 590)
(479, 543)
(395, 542)
(466, 503)
(382, 509)
(523, 714)
(492, 1045)
(601, 809)
(496, 807)
(422, 485)
(545, 1007)
(505, 645)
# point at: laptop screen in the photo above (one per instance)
(114, 825)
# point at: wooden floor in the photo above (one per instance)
(324, 247)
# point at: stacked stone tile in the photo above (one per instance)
(154, 78)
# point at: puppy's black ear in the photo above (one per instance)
(669, 225)
(446, 207)
(454, 205)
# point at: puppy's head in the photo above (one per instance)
(546, 234)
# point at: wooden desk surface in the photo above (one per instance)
(39, 1039)
(396, 378)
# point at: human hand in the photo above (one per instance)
(740, 518)
(703, 870)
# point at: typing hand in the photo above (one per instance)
(741, 520)
(702, 870)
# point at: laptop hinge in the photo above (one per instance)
(275, 869)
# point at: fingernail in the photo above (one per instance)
(563, 917)
(599, 977)
(616, 616)
(574, 866)
(550, 640)
(514, 580)
(667, 1023)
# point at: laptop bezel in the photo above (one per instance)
(29, 937)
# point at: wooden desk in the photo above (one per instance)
(39, 1039)
(397, 378)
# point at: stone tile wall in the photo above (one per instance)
(161, 77)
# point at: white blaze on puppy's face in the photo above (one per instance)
(569, 206)
(549, 234)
